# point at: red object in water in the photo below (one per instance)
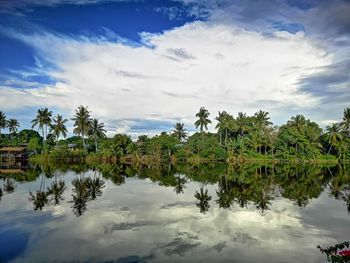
(344, 253)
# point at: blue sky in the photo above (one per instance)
(141, 66)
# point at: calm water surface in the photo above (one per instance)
(217, 213)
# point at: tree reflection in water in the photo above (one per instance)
(113, 172)
(9, 185)
(85, 190)
(203, 198)
(225, 199)
(80, 196)
(180, 184)
(40, 197)
(246, 185)
(56, 190)
(94, 186)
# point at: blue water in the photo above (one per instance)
(159, 215)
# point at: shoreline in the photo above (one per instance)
(149, 160)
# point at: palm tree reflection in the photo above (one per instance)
(94, 186)
(9, 185)
(56, 191)
(225, 199)
(85, 190)
(80, 196)
(203, 200)
(180, 184)
(40, 197)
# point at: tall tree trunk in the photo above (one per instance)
(329, 149)
(95, 145)
(43, 132)
(226, 137)
(82, 134)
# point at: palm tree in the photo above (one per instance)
(179, 131)
(346, 121)
(3, 121)
(255, 141)
(220, 126)
(225, 124)
(334, 135)
(82, 122)
(43, 121)
(262, 119)
(242, 121)
(58, 127)
(97, 131)
(297, 121)
(13, 125)
(203, 120)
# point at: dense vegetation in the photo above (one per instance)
(236, 138)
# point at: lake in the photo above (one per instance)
(203, 213)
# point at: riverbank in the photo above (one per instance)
(195, 159)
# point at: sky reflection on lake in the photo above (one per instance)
(152, 215)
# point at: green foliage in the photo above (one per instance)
(63, 153)
(299, 138)
(21, 138)
(116, 146)
(34, 145)
(162, 145)
(209, 148)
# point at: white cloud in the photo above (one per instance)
(222, 67)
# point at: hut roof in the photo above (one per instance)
(13, 149)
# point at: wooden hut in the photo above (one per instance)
(13, 153)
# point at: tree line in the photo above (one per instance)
(240, 136)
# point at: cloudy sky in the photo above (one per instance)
(141, 66)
